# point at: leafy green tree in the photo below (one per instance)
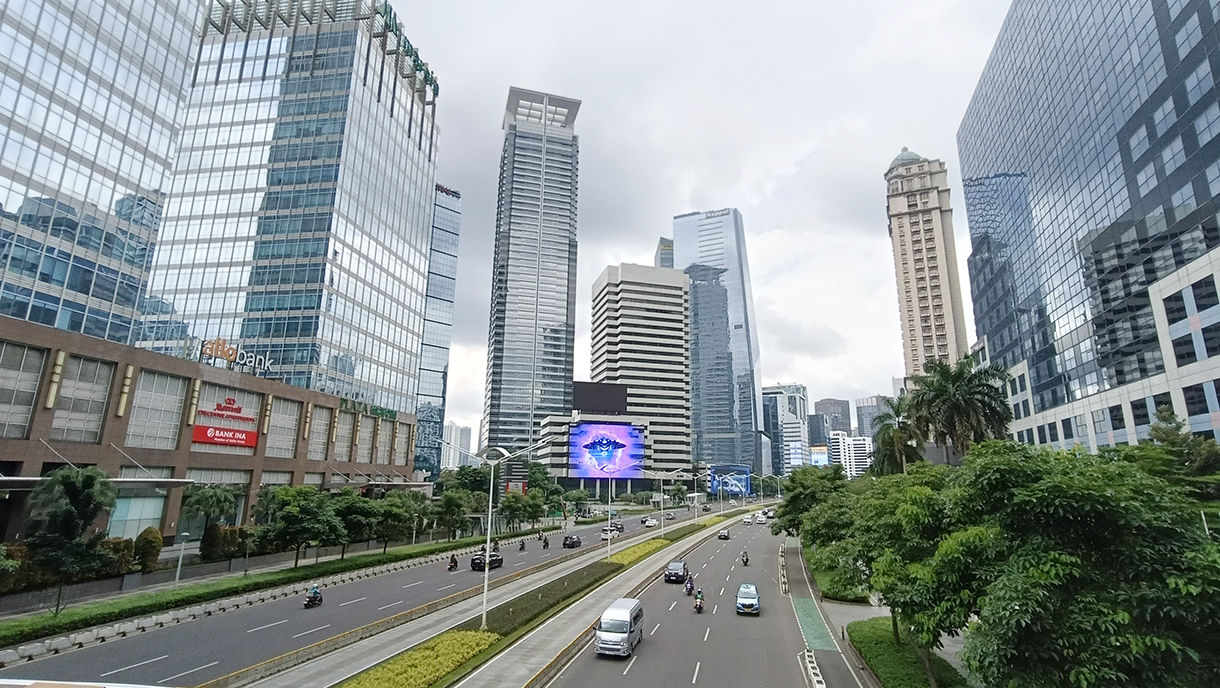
(805, 487)
(395, 520)
(958, 405)
(512, 509)
(768, 485)
(676, 494)
(416, 508)
(63, 508)
(147, 548)
(360, 516)
(208, 502)
(577, 498)
(452, 513)
(897, 440)
(302, 515)
(535, 508)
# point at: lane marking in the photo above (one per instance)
(704, 566)
(312, 630)
(696, 575)
(277, 623)
(654, 628)
(709, 630)
(454, 573)
(733, 567)
(671, 607)
(411, 585)
(392, 604)
(358, 599)
(714, 609)
(451, 585)
(520, 563)
(711, 557)
(630, 664)
(696, 676)
(137, 664)
(726, 579)
(189, 671)
(544, 556)
(722, 591)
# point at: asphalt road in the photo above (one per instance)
(190, 653)
(717, 648)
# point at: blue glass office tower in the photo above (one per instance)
(438, 330)
(91, 100)
(1091, 165)
(300, 219)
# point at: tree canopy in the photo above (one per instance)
(958, 405)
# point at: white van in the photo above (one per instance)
(621, 628)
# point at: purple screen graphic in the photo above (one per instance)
(606, 450)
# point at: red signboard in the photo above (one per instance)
(236, 438)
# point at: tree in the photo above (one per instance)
(396, 520)
(360, 517)
(302, 515)
(577, 498)
(414, 506)
(147, 548)
(512, 509)
(676, 494)
(535, 508)
(452, 513)
(208, 502)
(897, 439)
(958, 405)
(805, 487)
(63, 507)
(768, 485)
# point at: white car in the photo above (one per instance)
(651, 523)
(746, 520)
(760, 519)
(732, 502)
(609, 533)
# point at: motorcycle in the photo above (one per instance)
(451, 566)
(522, 547)
(699, 606)
(546, 544)
(690, 588)
(495, 547)
(312, 601)
(745, 561)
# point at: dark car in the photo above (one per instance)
(618, 525)
(571, 541)
(706, 508)
(676, 572)
(669, 516)
(722, 535)
(477, 561)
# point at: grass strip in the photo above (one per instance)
(898, 666)
(635, 553)
(423, 666)
(17, 631)
(830, 586)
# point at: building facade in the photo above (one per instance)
(775, 432)
(456, 450)
(925, 261)
(299, 221)
(641, 339)
(92, 98)
(438, 330)
(1094, 257)
(855, 454)
(664, 256)
(792, 404)
(714, 434)
(819, 429)
(717, 239)
(867, 409)
(837, 412)
(532, 327)
(154, 423)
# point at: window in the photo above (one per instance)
(1164, 117)
(385, 437)
(364, 439)
(1173, 155)
(156, 411)
(1183, 202)
(1146, 179)
(1041, 434)
(1188, 36)
(1184, 350)
(275, 478)
(131, 515)
(1211, 340)
(226, 421)
(1138, 143)
(1024, 407)
(20, 372)
(344, 428)
(314, 478)
(1175, 308)
(1016, 411)
(1067, 428)
(1117, 421)
(402, 446)
(1052, 431)
(1021, 381)
(282, 434)
(1205, 294)
(1175, 6)
(1139, 412)
(1196, 400)
(1207, 125)
(1012, 387)
(1100, 421)
(81, 405)
(1162, 400)
(319, 433)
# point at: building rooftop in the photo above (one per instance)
(906, 157)
(543, 108)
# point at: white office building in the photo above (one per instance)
(855, 454)
(792, 405)
(455, 451)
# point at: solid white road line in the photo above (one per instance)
(189, 671)
(358, 599)
(654, 628)
(671, 607)
(137, 664)
(312, 630)
(451, 585)
(392, 604)
(412, 585)
(630, 664)
(277, 623)
(709, 630)
(696, 676)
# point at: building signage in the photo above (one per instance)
(219, 348)
(229, 410)
(715, 213)
(367, 409)
(208, 434)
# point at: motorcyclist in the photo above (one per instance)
(699, 595)
(522, 547)
(314, 592)
(546, 543)
(689, 586)
(495, 545)
(453, 561)
(745, 558)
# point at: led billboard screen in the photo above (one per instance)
(819, 455)
(605, 450)
(733, 479)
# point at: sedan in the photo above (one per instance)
(722, 535)
(609, 533)
(571, 541)
(747, 599)
(651, 523)
(669, 516)
(478, 561)
(676, 572)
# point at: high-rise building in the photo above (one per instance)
(641, 339)
(438, 326)
(664, 257)
(775, 432)
(867, 409)
(455, 451)
(792, 403)
(713, 394)
(91, 104)
(532, 327)
(717, 239)
(290, 242)
(819, 430)
(1094, 230)
(837, 412)
(925, 261)
(855, 454)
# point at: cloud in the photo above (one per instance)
(790, 111)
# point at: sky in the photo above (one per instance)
(789, 111)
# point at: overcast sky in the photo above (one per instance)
(788, 111)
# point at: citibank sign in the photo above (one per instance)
(219, 348)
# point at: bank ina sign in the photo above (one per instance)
(219, 348)
(367, 409)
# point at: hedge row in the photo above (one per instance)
(897, 666)
(635, 553)
(423, 666)
(23, 630)
(830, 586)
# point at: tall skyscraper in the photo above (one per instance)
(867, 409)
(819, 430)
(1094, 228)
(775, 432)
(533, 287)
(641, 339)
(925, 261)
(288, 237)
(438, 327)
(713, 393)
(837, 412)
(664, 257)
(455, 452)
(792, 403)
(717, 239)
(91, 103)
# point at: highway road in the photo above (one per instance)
(190, 653)
(717, 648)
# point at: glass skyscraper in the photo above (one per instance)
(531, 333)
(438, 330)
(717, 239)
(1091, 165)
(91, 100)
(300, 220)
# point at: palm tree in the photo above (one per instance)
(897, 439)
(208, 502)
(959, 405)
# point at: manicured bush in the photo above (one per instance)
(423, 666)
(897, 666)
(635, 553)
(122, 551)
(589, 521)
(148, 548)
(518, 612)
(210, 548)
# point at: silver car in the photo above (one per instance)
(747, 599)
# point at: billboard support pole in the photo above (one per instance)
(609, 521)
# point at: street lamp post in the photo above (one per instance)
(181, 551)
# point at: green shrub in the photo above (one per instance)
(830, 584)
(210, 548)
(148, 548)
(423, 666)
(122, 553)
(635, 553)
(589, 521)
(682, 531)
(516, 613)
(897, 666)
